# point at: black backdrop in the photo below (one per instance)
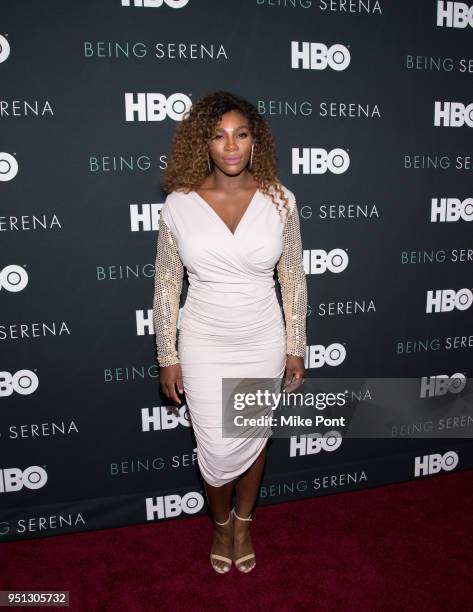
(85, 438)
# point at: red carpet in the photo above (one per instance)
(400, 547)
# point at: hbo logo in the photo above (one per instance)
(318, 261)
(14, 479)
(318, 161)
(451, 209)
(454, 114)
(317, 56)
(13, 278)
(454, 14)
(155, 106)
(4, 48)
(432, 464)
(445, 300)
(160, 419)
(320, 355)
(23, 382)
(8, 163)
(313, 443)
(156, 3)
(170, 506)
(436, 386)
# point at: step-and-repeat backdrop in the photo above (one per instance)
(370, 103)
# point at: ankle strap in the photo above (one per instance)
(241, 518)
(226, 522)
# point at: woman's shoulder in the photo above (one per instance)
(177, 196)
(173, 207)
(175, 199)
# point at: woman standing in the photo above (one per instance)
(229, 221)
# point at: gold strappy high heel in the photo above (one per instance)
(245, 557)
(228, 561)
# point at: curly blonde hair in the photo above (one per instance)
(188, 159)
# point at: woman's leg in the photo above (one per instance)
(219, 500)
(247, 487)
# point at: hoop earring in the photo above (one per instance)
(208, 162)
(251, 157)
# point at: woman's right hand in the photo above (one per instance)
(170, 378)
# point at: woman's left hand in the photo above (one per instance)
(294, 372)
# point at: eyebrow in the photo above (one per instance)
(237, 128)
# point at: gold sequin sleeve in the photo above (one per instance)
(292, 278)
(168, 275)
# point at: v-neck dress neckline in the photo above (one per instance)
(249, 205)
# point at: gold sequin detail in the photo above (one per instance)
(168, 275)
(292, 278)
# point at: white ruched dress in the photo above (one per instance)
(231, 325)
